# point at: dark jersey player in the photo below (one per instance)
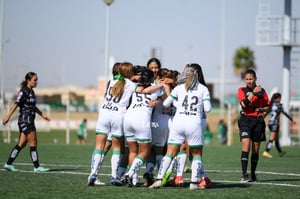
(274, 112)
(26, 102)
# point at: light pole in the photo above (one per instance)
(1, 56)
(285, 139)
(106, 53)
(222, 64)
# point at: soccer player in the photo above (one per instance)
(180, 160)
(154, 65)
(82, 132)
(159, 124)
(192, 98)
(110, 120)
(26, 102)
(275, 110)
(138, 131)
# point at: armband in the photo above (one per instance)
(246, 102)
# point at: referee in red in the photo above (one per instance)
(254, 102)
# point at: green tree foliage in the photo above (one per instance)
(243, 60)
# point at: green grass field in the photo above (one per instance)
(279, 177)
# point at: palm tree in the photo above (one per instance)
(243, 60)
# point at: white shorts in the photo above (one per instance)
(110, 123)
(186, 128)
(137, 127)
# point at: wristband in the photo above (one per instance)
(246, 101)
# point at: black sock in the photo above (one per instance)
(254, 161)
(277, 145)
(13, 154)
(34, 157)
(244, 162)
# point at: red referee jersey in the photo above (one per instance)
(258, 101)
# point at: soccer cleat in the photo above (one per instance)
(194, 186)
(9, 167)
(98, 182)
(282, 153)
(266, 154)
(204, 183)
(41, 169)
(156, 184)
(245, 179)
(124, 179)
(115, 181)
(252, 178)
(166, 178)
(91, 180)
(208, 181)
(127, 180)
(177, 181)
(148, 177)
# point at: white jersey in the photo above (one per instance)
(112, 111)
(188, 117)
(118, 104)
(138, 117)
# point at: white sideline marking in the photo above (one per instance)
(257, 183)
(108, 166)
(263, 172)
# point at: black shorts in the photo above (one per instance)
(80, 137)
(26, 124)
(274, 128)
(253, 128)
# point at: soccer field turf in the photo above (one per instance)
(69, 165)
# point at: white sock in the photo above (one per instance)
(165, 163)
(203, 172)
(172, 165)
(115, 161)
(136, 165)
(97, 159)
(181, 160)
(196, 169)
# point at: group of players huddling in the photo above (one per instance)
(156, 116)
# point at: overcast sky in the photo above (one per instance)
(64, 40)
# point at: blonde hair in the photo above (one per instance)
(125, 71)
(191, 80)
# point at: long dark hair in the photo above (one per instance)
(28, 77)
(274, 97)
(250, 71)
(155, 60)
(146, 75)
